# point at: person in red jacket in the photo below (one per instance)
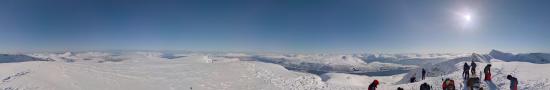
(373, 85)
(487, 71)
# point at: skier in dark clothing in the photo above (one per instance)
(423, 73)
(373, 85)
(413, 78)
(399, 88)
(466, 72)
(514, 82)
(473, 68)
(425, 86)
(487, 71)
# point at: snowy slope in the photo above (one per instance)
(244, 71)
(146, 74)
(531, 77)
(529, 74)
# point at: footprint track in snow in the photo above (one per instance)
(19, 74)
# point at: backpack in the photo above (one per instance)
(473, 83)
(425, 86)
(399, 88)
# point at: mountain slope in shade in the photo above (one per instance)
(9, 58)
(540, 58)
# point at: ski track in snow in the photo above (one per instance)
(12, 77)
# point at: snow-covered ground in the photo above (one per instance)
(136, 70)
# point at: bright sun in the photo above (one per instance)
(467, 17)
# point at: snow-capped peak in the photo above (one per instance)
(67, 54)
(481, 58)
(526, 57)
(501, 55)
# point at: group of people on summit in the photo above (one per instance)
(487, 73)
(448, 84)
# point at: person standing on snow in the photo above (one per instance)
(466, 72)
(514, 82)
(373, 85)
(413, 78)
(425, 86)
(473, 67)
(448, 84)
(423, 73)
(487, 71)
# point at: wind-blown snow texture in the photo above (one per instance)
(149, 70)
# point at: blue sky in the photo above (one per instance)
(387, 26)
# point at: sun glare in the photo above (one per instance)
(467, 17)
